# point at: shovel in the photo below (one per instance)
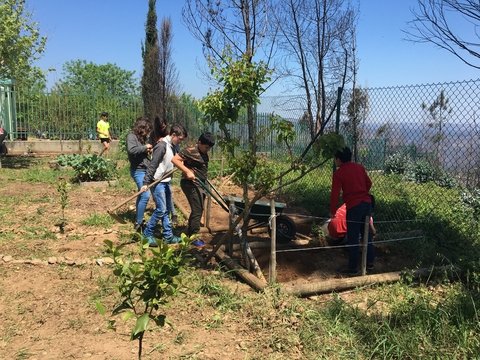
(118, 218)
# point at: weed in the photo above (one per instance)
(180, 338)
(105, 287)
(215, 322)
(75, 324)
(62, 189)
(215, 294)
(96, 219)
(22, 353)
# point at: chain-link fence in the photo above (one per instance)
(419, 143)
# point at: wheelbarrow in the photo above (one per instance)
(259, 213)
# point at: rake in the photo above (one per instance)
(111, 211)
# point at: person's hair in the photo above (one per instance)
(207, 138)
(105, 114)
(345, 155)
(141, 129)
(178, 130)
(157, 132)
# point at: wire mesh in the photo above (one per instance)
(417, 134)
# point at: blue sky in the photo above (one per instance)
(112, 31)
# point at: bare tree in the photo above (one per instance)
(318, 39)
(437, 116)
(437, 22)
(239, 26)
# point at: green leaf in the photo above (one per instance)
(128, 315)
(141, 325)
(100, 307)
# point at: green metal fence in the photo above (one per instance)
(63, 116)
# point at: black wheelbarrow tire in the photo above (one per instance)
(286, 229)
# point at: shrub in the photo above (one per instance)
(420, 172)
(397, 164)
(89, 167)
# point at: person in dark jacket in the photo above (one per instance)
(193, 161)
(138, 152)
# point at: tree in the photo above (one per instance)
(357, 110)
(437, 113)
(437, 22)
(110, 79)
(151, 78)
(20, 44)
(170, 83)
(238, 26)
(316, 40)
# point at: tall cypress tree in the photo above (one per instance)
(151, 79)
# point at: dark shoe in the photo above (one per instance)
(174, 219)
(139, 227)
(370, 267)
(347, 271)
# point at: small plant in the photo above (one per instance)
(63, 187)
(147, 285)
(89, 167)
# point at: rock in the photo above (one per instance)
(7, 258)
(52, 260)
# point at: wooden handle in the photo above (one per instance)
(139, 192)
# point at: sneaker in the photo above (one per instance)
(172, 240)
(152, 242)
(174, 219)
(370, 267)
(198, 243)
(347, 271)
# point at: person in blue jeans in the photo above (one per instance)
(160, 164)
(138, 152)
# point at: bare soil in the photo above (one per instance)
(48, 286)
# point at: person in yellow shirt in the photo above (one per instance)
(104, 133)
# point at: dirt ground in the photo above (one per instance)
(47, 286)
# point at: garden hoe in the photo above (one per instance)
(118, 218)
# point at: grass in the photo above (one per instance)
(99, 220)
(422, 320)
(436, 318)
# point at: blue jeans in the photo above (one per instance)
(162, 194)
(142, 199)
(355, 230)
